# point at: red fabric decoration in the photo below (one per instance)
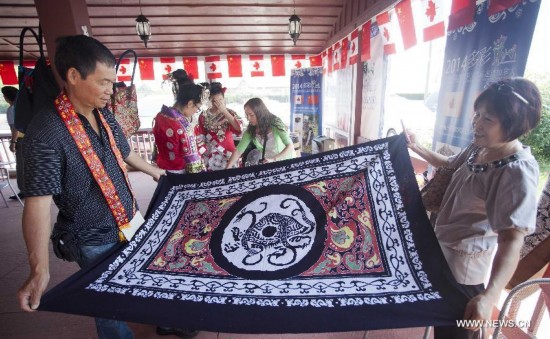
(365, 41)
(190, 65)
(146, 70)
(278, 65)
(235, 66)
(7, 72)
(406, 23)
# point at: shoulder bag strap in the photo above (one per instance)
(463, 156)
(129, 51)
(22, 42)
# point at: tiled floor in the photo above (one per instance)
(44, 325)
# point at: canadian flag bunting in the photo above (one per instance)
(354, 46)
(146, 69)
(433, 19)
(235, 66)
(329, 60)
(406, 23)
(191, 66)
(336, 51)
(385, 26)
(278, 65)
(213, 67)
(496, 6)
(298, 61)
(256, 65)
(7, 72)
(30, 63)
(462, 13)
(315, 61)
(365, 41)
(168, 66)
(344, 51)
(124, 70)
(324, 59)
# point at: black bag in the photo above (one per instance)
(64, 246)
(37, 87)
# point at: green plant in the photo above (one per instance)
(538, 138)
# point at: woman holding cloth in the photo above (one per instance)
(491, 198)
(267, 132)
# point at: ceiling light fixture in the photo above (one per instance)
(143, 27)
(294, 25)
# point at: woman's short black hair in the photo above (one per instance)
(216, 88)
(82, 53)
(10, 93)
(516, 102)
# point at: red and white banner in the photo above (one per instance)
(297, 61)
(336, 56)
(213, 67)
(354, 47)
(146, 68)
(324, 60)
(405, 18)
(433, 19)
(344, 51)
(278, 65)
(365, 41)
(257, 68)
(329, 60)
(7, 72)
(386, 30)
(168, 65)
(124, 72)
(191, 66)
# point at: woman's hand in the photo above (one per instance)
(219, 103)
(267, 160)
(157, 173)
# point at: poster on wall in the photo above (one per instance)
(476, 55)
(374, 87)
(306, 104)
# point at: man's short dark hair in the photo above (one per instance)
(10, 92)
(81, 52)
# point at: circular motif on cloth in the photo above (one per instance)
(271, 233)
(180, 131)
(169, 145)
(169, 132)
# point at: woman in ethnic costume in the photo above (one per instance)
(265, 130)
(218, 124)
(175, 135)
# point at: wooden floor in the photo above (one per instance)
(44, 325)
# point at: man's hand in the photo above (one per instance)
(29, 295)
(480, 308)
(12, 147)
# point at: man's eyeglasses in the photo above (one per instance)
(507, 89)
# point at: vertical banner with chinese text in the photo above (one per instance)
(487, 50)
(306, 104)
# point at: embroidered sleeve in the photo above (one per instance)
(239, 121)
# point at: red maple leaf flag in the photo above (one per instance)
(315, 60)
(213, 67)
(297, 61)
(168, 66)
(146, 69)
(354, 47)
(406, 23)
(336, 56)
(324, 58)
(462, 13)
(191, 66)
(344, 52)
(7, 72)
(124, 70)
(278, 65)
(496, 6)
(256, 65)
(433, 19)
(329, 59)
(385, 27)
(365, 41)
(234, 63)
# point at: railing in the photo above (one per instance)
(142, 142)
(6, 156)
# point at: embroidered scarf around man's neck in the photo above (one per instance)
(76, 130)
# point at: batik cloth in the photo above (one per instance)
(336, 241)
